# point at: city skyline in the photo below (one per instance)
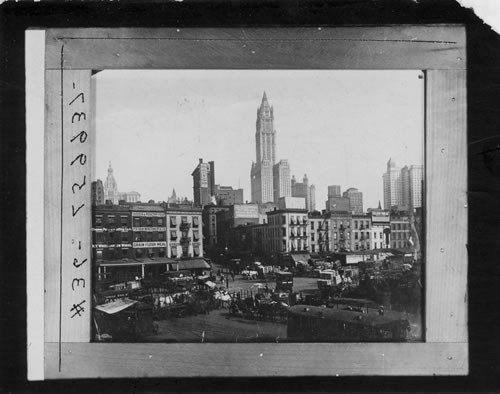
(154, 126)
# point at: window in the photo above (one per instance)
(355, 224)
(149, 222)
(283, 246)
(150, 253)
(334, 235)
(98, 254)
(161, 236)
(123, 220)
(173, 235)
(161, 252)
(138, 253)
(111, 219)
(184, 219)
(283, 231)
(137, 222)
(98, 221)
(355, 235)
(184, 234)
(125, 237)
(149, 236)
(124, 252)
(312, 225)
(312, 236)
(196, 251)
(173, 221)
(160, 222)
(185, 251)
(292, 219)
(173, 251)
(196, 235)
(195, 221)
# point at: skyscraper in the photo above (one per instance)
(262, 185)
(281, 180)
(416, 177)
(203, 183)
(403, 186)
(392, 185)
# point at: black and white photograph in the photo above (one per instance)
(258, 206)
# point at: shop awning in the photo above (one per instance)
(300, 257)
(116, 306)
(136, 262)
(192, 264)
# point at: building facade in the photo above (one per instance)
(203, 183)
(338, 204)
(226, 195)
(334, 191)
(97, 192)
(209, 219)
(287, 231)
(403, 187)
(355, 199)
(319, 232)
(341, 232)
(185, 232)
(361, 232)
(381, 229)
(400, 232)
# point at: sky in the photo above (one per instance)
(338, 127)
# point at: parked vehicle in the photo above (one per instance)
(284, 281)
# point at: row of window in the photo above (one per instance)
(117, 236)
(124, 220)
(119, 253)
(400, 226)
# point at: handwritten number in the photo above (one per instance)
(73, 209)
(81, 157)
(75, 263)
(79, 114)
(83, 137)
(79, 186)
(78, 283)
(83, 98)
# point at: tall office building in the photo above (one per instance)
(97, 192)
(393, 195)
(416, 178)
(403, 186)
(262, 184)
(203, 183)
(281, 180)
(356, 199)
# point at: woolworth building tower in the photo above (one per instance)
(265, 141)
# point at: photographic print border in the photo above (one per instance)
(72, 55)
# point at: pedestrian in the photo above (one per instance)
(222, 278)
(232, 276)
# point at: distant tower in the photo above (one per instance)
(110, 187)
(97, 192)
(416, 178)
(261, 173)
(334, 191)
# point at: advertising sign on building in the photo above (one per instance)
(149, 228)
(149, 214)
(149, 244)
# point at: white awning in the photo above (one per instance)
(116, 306)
